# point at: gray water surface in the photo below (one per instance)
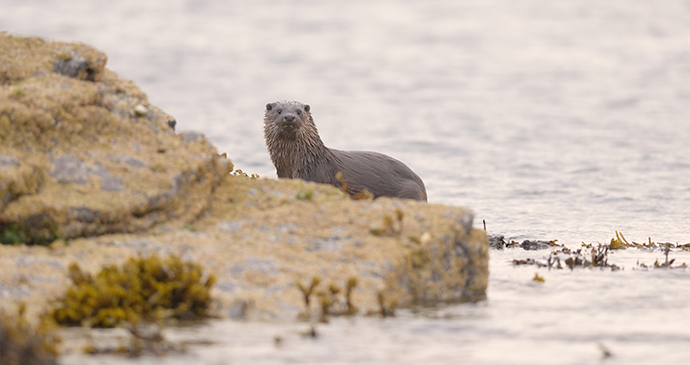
(562, 120)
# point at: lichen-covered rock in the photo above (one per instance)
(82, 152)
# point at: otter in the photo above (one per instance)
(298, 153)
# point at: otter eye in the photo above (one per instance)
(279, 111)
(299, 112)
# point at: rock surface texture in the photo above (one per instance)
(84, 158)
(83, 153)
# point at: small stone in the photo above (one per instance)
(140, 110)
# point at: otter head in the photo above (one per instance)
(287, 117)
(291, 137)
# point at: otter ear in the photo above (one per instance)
(306, 108)
(269, 106)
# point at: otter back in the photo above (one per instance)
(382, 175)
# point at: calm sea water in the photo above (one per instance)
(559, 120)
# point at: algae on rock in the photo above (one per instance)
(142, 289)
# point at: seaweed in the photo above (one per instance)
(22, 343)
(592, 254)
(238, 172)
(145, 338)
(499, 242)
(598, 258)
(392, 225)
(553, 262)
(667, 264)
(142, 289)
(363, 194)
(332, 304)
(386, 305)
(307, 290)
(618, 243)
(537, 278)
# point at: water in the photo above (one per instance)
(640, 317)
(559, 120)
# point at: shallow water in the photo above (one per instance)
(638, 316)
(559, 120)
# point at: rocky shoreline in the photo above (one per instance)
(92, 173)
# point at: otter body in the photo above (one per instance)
(297, 152)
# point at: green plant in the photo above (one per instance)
(17, 92)
(12, 234)
(305, 195)
(16, 233)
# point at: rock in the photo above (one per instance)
(192, 136)
(65, 124)
(78, 162)
(72, 65)
(7, 161)
(424, 258)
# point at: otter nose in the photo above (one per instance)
(289, 118)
